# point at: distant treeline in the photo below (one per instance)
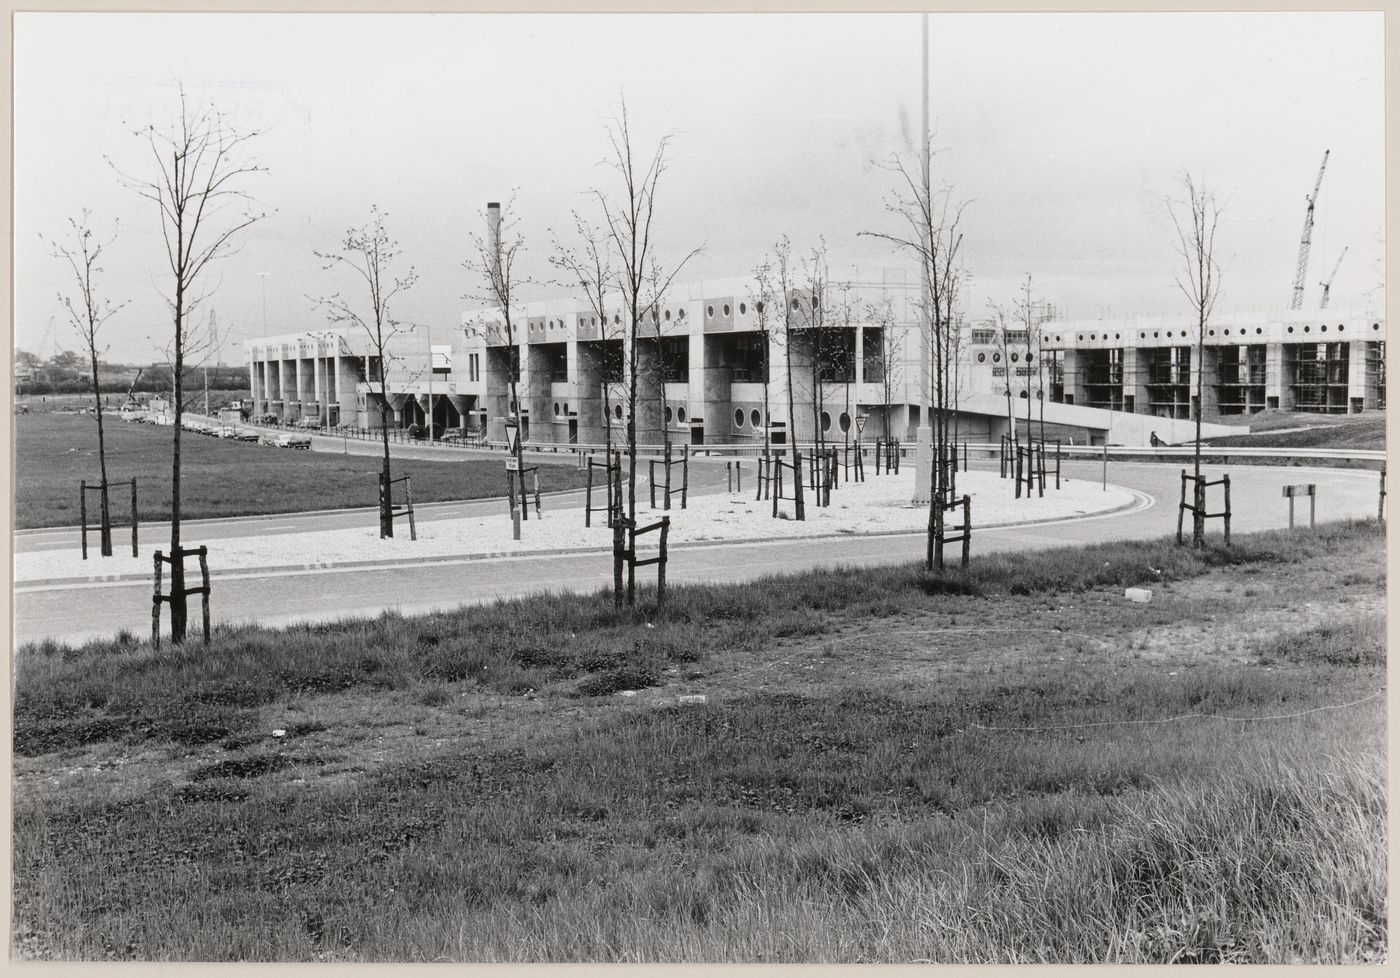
(152, 380)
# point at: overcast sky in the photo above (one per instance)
(1065, 131)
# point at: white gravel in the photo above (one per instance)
(879, 505)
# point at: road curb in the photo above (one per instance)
(306, 567)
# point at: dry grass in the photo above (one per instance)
(860, 786)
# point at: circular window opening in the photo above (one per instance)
(754, 417)
(1154, 335)
(710, 311)
(981, 358)
(816, 302)
(1227, 332)
(566, 407)
(1258, 329)
(1092, 337)
(1029, 358)
(1340, 327)
(1290, 329)
(996, 358)
(654, 317)
(1024, 397)
(726, 309)
(1015, 357)
(556, 409)
(738, 417)
(680, 415)
(1039, 394)
(616, 320)
(826, 421)
(758, 307)
(1142, 336)
(680, 314)
(743, 309)
(1117, 336)
(844, 421)
(1081, 337)
(1323, 328)
(617, 411)
(668, 315)
(1307, 329)
(1375, 326)
(668, 414)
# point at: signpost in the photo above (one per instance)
(512, 470)
(1308, 489)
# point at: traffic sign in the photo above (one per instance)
(512, 464)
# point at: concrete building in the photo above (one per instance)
(1328, 361)
(855, 354)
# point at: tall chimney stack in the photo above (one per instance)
(493, 230)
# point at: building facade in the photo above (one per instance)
(856, 358)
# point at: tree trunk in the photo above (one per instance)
(106, 535)
(177, 566)
(386, 502)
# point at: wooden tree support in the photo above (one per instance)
(734, 476)
(1380, 506)
(407, 507)
(667, 463)
(938, 537)
(106, 533)
(1197, 508)
(779, 466)
(158, 598)
(629, 555)
(610, 468)
(889, 450)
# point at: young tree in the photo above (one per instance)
(782, 257)
(761, 297)
(588, 267)
(494, 260)
(627, 224)
(370, 254)
(890, 360)
(1002, 336)
(201, 168)
(932, 231)
(88, 311)
(1195, 218)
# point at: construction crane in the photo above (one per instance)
(131, 391)
(1305, 246)
(1327, 285)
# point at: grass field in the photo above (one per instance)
(222, 477)
(1287, 429)
(1006, 764)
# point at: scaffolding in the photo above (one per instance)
(1317, 375)
(1101, 379)
(1239, 379)
(1375, 373)
(1169, 382)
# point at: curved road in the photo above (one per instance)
(75, 612)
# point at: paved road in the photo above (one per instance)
(76, 612)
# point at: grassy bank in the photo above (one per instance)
(1297, 430)
(220, 476)
(1007, 764)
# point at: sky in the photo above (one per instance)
(1064, 133)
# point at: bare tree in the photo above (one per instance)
(494, 261)
(931, 230)
(1195, 219)
(370, 254)
(1002, 336)
(890, 360)
(782, 257)
(627, 225)
(761, 296)
(87, 312)
(1033, 313)
(588, 267)
(200, 169)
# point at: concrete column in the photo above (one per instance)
(1356, 376)
(860, 359)
(1204, 379)
(1276, 377)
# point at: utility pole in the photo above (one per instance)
(923, 438)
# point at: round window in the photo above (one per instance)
(710, 311)
(996, 358)
(1015, 357)
(668, 414)
(668, 315)
(755, 418)
(981, 358)
(556, 409)
(844, 421)
(680, 313)
(680, 415)
(738, 417)
(796, 303)
(826, 421)
(743, 309)
(617, 411)
(726, 308)
(616, 320)
(1029, 358)
(566, 407)
(1023, 396)
(758, 307)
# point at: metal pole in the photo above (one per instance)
(1105, 465)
